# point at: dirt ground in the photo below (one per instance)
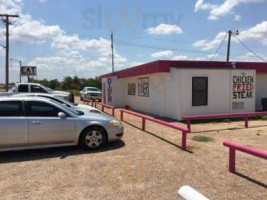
(143, 165)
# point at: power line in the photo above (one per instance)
(160, 48)
(249, 49)
(218, 47)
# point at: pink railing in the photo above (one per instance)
(103, 106)
(245, 115)
(88, 101)
(148, 118)
(233, 147)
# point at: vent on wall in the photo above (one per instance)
(238, 106)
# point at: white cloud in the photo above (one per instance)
(27, 30)
(250, 57)
(161, 54)
(237, 18)
(165, 29)
(218, 10)
(185, 57)
(72, 55)
(180, 57)
(257, 33)
(206, 45)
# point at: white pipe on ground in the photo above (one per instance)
(188, 193)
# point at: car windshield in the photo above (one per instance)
(49, 89)
(75, 112)
(92, 89)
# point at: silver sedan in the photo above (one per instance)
(28, 123)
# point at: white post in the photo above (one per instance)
(188, 193)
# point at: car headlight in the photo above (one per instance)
(114, 123)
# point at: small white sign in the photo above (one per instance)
(28, 71)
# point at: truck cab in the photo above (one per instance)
(38, 88)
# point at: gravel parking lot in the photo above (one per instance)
(143, 165)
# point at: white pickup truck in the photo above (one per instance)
(38, 88)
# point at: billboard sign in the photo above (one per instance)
(28, 71)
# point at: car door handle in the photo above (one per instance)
(36, 122)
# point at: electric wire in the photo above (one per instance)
(250, 50)
(214, 55)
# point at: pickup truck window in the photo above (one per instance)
(37, 89)
(11, 109)
(23, 88)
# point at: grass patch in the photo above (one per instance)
(200, 138)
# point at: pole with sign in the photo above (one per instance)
(28, 71)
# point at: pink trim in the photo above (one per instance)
(162, 66)
(233, 146)
(145, 118)
(244, 115)
(103, 106)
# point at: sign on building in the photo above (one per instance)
(131, 88)
(28, 71)
(143, 87)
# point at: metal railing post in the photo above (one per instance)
(231, 160)
(143, 124)
(184, 140)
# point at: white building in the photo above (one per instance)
(177, 88)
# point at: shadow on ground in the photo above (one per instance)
(228, 129)
(60, 152)
(251, 180)
(158, 137)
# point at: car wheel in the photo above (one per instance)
(93, 138)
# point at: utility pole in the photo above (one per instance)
(229, 45)
(112, 54)
(5, 19)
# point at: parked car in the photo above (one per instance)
(91, 93)
(38, 88)
(28, 123)
(86, 109)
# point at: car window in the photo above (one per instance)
(23, 88)
(11, 108)
(37, 89)
(73, 111)
(41, 109)
(92, 89)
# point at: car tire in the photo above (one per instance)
(93, 138)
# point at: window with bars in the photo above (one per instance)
(200, 91)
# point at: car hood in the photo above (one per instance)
(95, 92)
(61, 92)
(96, 116)
(86, 109)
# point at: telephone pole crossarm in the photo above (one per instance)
(5, 19)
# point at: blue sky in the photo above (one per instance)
(67, 38)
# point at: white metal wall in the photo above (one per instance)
(170, 94)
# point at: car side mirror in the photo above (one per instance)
(62, 115)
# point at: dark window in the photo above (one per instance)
(200, 91)
(37, 89)
(23, 88)
(40, 109)
(11, 108)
